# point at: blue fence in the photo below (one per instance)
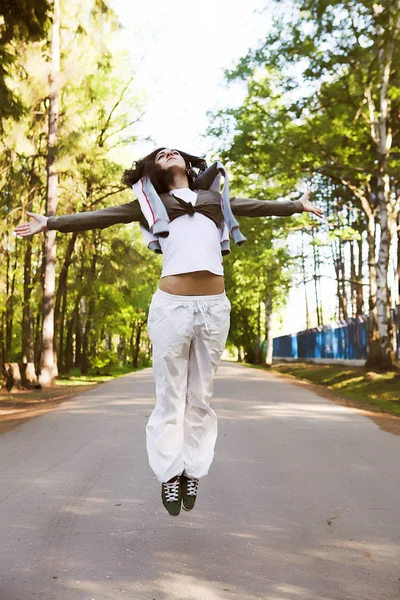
(344, 340)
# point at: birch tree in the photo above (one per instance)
(48, 364)
(378, 94)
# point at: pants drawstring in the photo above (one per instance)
(203, 308)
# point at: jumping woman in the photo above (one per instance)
(185, 217)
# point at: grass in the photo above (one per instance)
(74, 377)
(378, 392)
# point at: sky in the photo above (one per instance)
(179, 50)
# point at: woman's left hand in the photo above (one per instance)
(308, 207)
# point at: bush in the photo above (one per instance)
(104, 362)
(144, 360)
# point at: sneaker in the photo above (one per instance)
(189, 492)
(171, 495)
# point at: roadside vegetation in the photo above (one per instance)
(360, 387)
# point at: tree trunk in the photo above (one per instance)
(77, 321)
(10, 291)
(337, 266)
(78, 338)
(7, 331)
(131, 338)
(27, 347)
(12, 377)
(85, 363)
(373, 333)
(136, 349)
(343, 291)
(83, 318)
(385, 344)
(2, 338)
(258, 353)
(61, 297)
(381, 347)
(69, 344)
(359, 278)
(28, 375)
(397, 300)
(27, 366)
(268, 332)
(48, 364)
(61, 353)
(303, 268)
(353, 278)
(318, 307)
(85, 360)
(121, 349)
(37, 340)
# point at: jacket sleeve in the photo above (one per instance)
(97, 219)
(247, 207)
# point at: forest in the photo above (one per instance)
(322, 108)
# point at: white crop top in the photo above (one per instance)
(193, 243)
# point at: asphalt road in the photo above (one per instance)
(302, 502)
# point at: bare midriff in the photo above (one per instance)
(198, 283)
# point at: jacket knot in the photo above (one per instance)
(188, 206)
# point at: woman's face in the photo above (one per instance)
(168, 158)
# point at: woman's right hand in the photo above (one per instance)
(38, 224)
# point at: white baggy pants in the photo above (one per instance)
(188, 334)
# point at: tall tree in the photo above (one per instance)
(100, 106)
(344, 125)
(48, 364)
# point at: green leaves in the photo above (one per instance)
(322, 104)
(22, 21)
(110, 278)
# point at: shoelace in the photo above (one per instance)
(191, 487)
(203, 308)
(171, 490)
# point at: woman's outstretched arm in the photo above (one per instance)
(95, 219)
(246, 207)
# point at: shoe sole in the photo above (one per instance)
(171, 515)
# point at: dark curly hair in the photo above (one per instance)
(159, 177)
